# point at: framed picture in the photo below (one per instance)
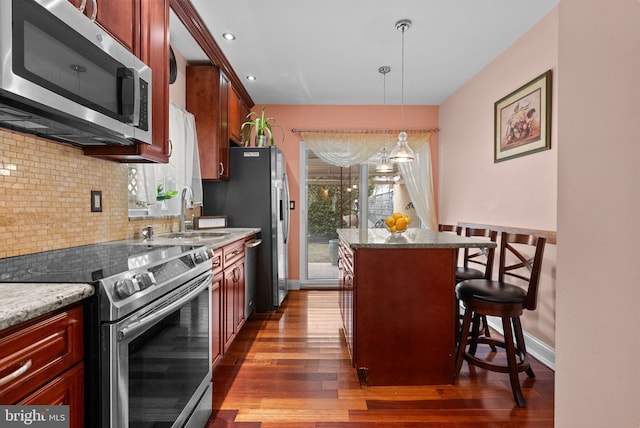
(523, 120)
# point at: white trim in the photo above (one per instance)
(293, 284)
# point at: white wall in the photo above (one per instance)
(598, 322)
(518, 192)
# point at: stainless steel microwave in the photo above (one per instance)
(64, 78)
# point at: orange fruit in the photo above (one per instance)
(401, 224)
(390, 221)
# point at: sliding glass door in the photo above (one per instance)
(331, 198)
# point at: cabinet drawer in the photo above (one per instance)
(33, 355)
(66, 389)
(216, 261)
(233, 252)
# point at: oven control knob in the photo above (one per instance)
(201, 256)
(126, 287)
(145, 280)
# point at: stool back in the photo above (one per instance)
(481, 257)
(526, 269)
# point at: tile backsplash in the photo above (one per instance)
(45, 197)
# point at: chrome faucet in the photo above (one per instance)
(183, 199)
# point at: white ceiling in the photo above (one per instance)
(329, 51)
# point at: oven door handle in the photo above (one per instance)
(145, 321)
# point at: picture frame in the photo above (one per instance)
(522, 120)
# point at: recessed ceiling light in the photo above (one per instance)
(251, 77)
(228, 36)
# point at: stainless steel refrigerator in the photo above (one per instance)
(257, 195)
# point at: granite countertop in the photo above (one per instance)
(22, 302)
(412, 238)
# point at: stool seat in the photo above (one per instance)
(464, 273)
(490, 291)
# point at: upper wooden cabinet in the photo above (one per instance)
(238, 112)
(142, 27)
(119, 18)
(207, 100)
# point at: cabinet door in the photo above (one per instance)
(203, 100)
(235, 116)
(240, 296)
(66, 389)
(223, 140)
(229, 296)
(120, 18)
(216, 318)
(152, 27)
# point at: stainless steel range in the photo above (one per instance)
(147, 330)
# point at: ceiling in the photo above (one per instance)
(329, 51)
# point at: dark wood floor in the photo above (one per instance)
(291, 369)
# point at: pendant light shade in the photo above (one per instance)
(384, 165)
(402, 152)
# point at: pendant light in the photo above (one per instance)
(402, 152)
(384, 165)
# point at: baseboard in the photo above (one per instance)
(535, 347)
(293, 284)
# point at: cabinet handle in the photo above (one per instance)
(82, 5)
(94, 12)
(170, 147)
(221, 169)
(21, 370)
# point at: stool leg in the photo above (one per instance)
(464, 336)
(512, 363)
(517, 326)
(475, 332)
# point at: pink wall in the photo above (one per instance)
(597, 380)
(338, 117)
(520, 192)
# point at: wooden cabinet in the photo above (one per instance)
(233, 291)
(206, 90)
(142, 27)
(216, 307)
(238, 112)
(119, 18)
(41, 363)
(399, 318)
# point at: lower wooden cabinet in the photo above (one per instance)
(66, 389)
(41, 363)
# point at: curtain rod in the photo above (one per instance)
(365, 131)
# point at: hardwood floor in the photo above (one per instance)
(291, 369)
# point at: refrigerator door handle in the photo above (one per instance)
(287, 215)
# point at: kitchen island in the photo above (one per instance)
(398, 304)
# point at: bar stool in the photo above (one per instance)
(483, 259)
(507, 301)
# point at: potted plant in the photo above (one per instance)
(263, 127)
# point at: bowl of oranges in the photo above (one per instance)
(397, 223)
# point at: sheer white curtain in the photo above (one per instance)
(183, 169)
(418, 177)
(352, 148)
(345, 149)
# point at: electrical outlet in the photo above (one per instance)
(96, 201)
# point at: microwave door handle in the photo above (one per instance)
(136, 97)
(129, 97)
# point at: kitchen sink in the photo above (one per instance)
(195, 235)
